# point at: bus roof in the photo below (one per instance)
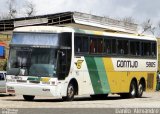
(57, 29)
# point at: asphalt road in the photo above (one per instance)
(149, 100)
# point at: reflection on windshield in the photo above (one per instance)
(35, 61)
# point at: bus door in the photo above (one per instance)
(63, 63)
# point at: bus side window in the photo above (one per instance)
(96, 45)
(107, 45)
(154, 51)
(92, 46)
(84, 44)
(100, 45)
(81, 44)
(134, 48)
(122, 47)
(113, 46)
(146, 48)
(78, 44)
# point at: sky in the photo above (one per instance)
(140, 10)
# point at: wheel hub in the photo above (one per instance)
(70, 91)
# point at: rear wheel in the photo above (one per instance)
(140, 90)
(28, 97)
(133, 90)
(70, 93)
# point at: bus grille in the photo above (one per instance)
(35, 82)
(22, 81)
(150, 80)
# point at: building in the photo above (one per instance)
(73, 19)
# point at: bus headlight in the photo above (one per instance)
(45, 82)
(53, 83)
(10, 88)
(11, 80)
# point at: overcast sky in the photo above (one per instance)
(140, 10)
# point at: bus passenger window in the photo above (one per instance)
(122, 47)
(146, 48)
(92, 46)
(84, 44)
(134, 48)
(81, 44)
(107, 46)
(113, 46)
(78, 44)
(154, 51)
(100, 45)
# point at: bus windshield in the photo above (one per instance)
(34, 61)
(40, 54)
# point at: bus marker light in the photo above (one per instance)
(53, 83)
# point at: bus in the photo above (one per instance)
(65, 61)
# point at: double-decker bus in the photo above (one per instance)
(66, 61)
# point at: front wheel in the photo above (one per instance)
(28, 97)
(70, 93)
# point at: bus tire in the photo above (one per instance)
(70, 93)
(140, 90)
(28, 97)
(133, 90)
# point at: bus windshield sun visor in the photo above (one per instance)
(35, 39)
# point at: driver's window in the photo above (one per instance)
(64, 63)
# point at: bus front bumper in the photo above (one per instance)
(33, 89)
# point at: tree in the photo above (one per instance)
(30, 8)
(4, 16)
(148, 26)
(12, 9)
(158, 25)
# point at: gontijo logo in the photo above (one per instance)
(79, 64)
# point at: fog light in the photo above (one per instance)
(10, 89)
(10, 80)
(53, 83)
